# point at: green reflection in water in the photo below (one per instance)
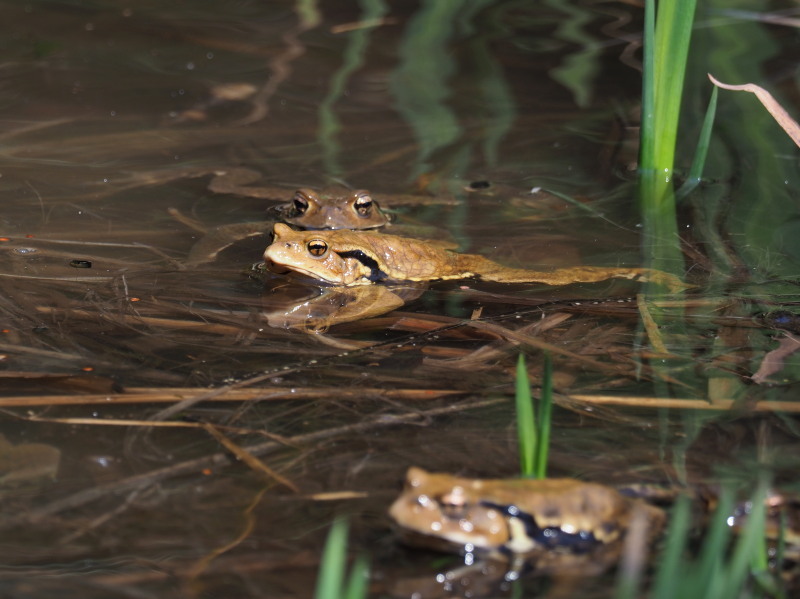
(750, 224)
(763, 216)
(353, 58)
(308, 13)
(579, 69)
(422, 83)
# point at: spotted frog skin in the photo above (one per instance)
(515, 516)
(350, 258)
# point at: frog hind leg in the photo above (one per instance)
(491, 271)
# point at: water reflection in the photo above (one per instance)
(113, 116)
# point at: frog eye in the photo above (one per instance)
(363, 205)
(300, 203)
(317, 247)
(453, 506)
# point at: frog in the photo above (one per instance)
(333, 207)
(516, 517)
(353, 258)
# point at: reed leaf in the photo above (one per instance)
(332, 566)
(526, 420)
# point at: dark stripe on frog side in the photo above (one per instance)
(549, 537)
(376, 275)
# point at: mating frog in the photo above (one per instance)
(350, 258)
(516, 517)
(330, 208)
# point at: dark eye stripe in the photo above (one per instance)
(376, 275)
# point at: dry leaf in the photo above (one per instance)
(776, 110)
(27, 462)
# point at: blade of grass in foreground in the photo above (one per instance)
(666, 46)
(331, 583)
(526, 420)
(699, 162)
(545, 416)
(331, 568)
(359, 578)
(534, 430)
(667, 582)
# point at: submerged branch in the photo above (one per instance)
(169, 394)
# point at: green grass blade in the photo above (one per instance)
(715, 543)
(545, 416)
(331, 570)
(700, 154)
(358, 580)
(670, 573)
(672, 36)
(747, 544)
(647, 131)
(526, 420)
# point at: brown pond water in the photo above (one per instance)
(114, 114)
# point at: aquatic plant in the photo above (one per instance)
(666, 47)
(333, 581)
(718, 569)
(533, 429)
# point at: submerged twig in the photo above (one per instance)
(248, 458)
(194, 395)
(689, 404)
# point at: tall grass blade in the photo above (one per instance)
(331, 571)
(358, 580)
(715, 544)
(545, 416)
(647, 135)
(670, 571)
(747, 545)
(666, 48)
(526, 423)
(673, 34)
(699, 162)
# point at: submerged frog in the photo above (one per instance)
(350, 258)
(515, 518)
(330, 208)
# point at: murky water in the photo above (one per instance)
(471, 121)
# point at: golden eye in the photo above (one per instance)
(317, 247)
(363, 205)
(300, 203)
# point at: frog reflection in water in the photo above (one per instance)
(352, 259)
(558, 520)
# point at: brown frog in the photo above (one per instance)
(330, 208)
(334, 207)
(560, 525)
(350, 258)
